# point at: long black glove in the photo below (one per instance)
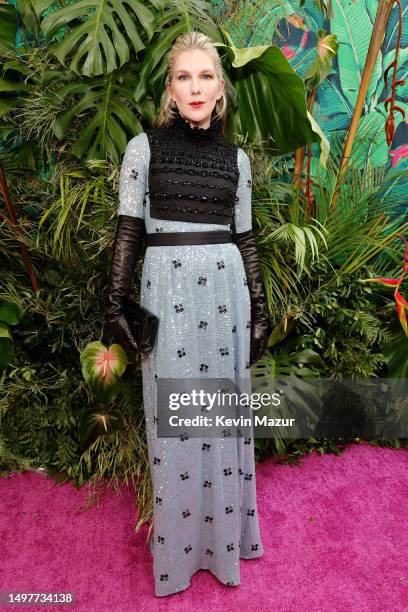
(260, 322)
(126, 250)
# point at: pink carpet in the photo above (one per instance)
(335, 532)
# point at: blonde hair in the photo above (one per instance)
(184, 42)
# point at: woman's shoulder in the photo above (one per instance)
(243, 159)
(137, 147)
(139, 140)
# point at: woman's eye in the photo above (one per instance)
(205, 76)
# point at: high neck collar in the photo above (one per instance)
(182, 124)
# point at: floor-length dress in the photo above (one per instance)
(204, 490)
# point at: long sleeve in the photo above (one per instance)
(245, 241)
(128, 241)
(133, 177)
(242, 211)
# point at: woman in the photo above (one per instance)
(187, 190)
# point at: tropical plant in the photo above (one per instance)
(10, 314)
(314, 271)
(105, 91)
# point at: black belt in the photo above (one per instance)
(176, 238)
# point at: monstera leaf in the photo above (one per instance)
(285, 369)
(108, 120)
(103, 33)
(102, 368)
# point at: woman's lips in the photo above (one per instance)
(196, 104)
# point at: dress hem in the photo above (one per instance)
(181, 589)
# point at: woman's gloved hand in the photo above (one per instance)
(126, 250)
(260, 322)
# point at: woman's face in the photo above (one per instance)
(195, 80)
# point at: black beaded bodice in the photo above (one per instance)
(193, 173)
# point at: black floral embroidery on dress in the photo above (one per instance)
(254, 546)
(248, 476)
(247, 441)
(134, 174)
(245, 281)
(159, 501)
(247, 365)
(240, 472)
(230, 509)
(249, 182)
(248, 324)
(159, 229)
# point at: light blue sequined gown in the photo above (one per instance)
(200, 295)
